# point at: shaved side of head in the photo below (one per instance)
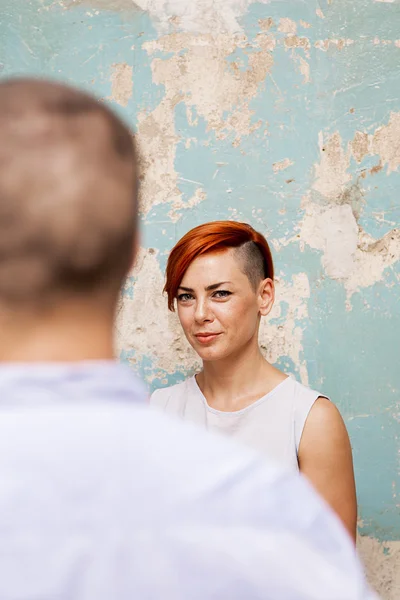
(68, 194)
(252, 262)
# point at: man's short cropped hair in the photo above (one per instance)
(68, 193)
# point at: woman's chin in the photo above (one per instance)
(211, 354)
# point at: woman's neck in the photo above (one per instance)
(236, 382)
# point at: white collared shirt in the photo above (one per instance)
(103, 498)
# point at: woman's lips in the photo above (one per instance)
(206, 338)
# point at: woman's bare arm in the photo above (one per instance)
(325, 458)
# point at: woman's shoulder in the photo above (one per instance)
(304, 394)
(304, 399)
(172, 393)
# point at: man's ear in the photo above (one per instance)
(266, 296)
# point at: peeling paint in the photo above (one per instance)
(287, 25)
(157, 141)
(338, 43)
(381, 561)
(360, 145)
(331, 172)
(349, 254)
(304, 68)
(282, 165)
(122, 83)
(219, 87)
(385, 143)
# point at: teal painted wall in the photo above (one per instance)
(286, 115)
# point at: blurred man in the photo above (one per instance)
(100, 498)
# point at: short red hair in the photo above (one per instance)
(215, 236)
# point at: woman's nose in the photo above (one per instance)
(202, 311)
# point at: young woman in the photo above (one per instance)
(220, 275)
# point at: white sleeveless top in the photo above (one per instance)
(273, 424)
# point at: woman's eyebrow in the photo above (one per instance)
(209, 288)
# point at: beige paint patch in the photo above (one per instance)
(211, 88)
(196, 16)
(349, 254)
(208, 83)
(294, 41)
(286, 338)
(382, 562)
(282, 165)
(360, 145)
(157, 141)
(178, 205)
(338, 43)
(386, 143)
(145, 326)
(304, 68)
(331, 174)
(266, 24)
(333, 230)
(287, 26)
(121, 83)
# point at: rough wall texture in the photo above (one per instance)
(286, 115)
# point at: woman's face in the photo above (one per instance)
(217, 306)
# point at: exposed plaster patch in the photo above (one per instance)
(319, 13)
(192, 16)
(284, 338)
(208, 83)
(338, 43)
(294, 41)
(146, 328)
(287, 26)
(199, 17)
(178, 205)
(331, 173)
(157, 141)
(386, 143)
(381, 561)
(334, 231)
(282, 165)
(121, 83)
(266, 24)
(304, 68)
(360, 146)
(349, 254)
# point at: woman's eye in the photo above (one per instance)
(222, 294)
(184, 297)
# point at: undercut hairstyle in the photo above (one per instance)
(251, 249)
(68, 193)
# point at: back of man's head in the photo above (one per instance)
(68, 195)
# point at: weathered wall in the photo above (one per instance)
(286, 115)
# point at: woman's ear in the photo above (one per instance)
(266, 296)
